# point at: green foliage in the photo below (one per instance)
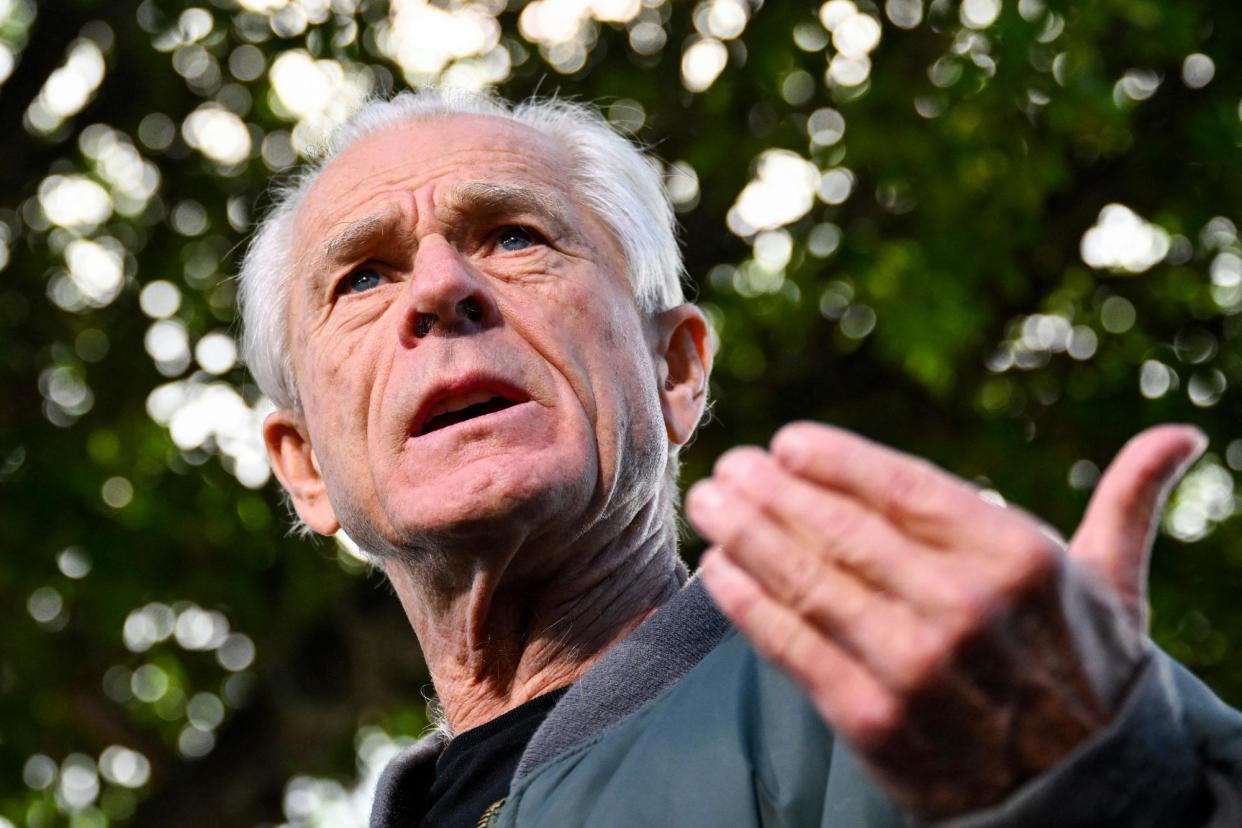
(937, 294)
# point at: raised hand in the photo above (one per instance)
(959, 646)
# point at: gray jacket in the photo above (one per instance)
(683, 724)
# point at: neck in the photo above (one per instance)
(493, 642)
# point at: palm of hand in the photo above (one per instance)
(959, 646)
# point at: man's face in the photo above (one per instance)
(470, 357)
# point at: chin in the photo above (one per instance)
(485, 504)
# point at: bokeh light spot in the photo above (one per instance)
(725, 19)
(834, 12)
(1206, 387)
(124, 767)
(797, 87)
(236, 653)
(682, 183)
(1203, 499)
(1122, 241)
(823, 240)
(200, 629)
(217, 133)
(1117, 314)
(205, 711)
(425, 38)
(979, 14)
(168, 344)
(1198, 70)
(216, 353)
(773, 249)
(826, 127)
(117, 492)
(247, 62)
(702, 63)
(39, 772)
(1082, 343)
(194, 743)
(809, 38)
(149, 683)
(1083, 475)
(157, 131)
(858, 321)
(68, 88)
(75, 202)
(160, 299)
(1155, 379)
(647, 37)
(147, 626)
(904, 14)
(1135, 85)
(79, 781)
(856, 35)
(849, 71)
(73, 563)
(45, 605)
(97, 269)
(835, 186)
(783, 191)
(189, 218)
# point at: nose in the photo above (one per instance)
(445, 294)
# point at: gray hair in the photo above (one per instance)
(609, 174)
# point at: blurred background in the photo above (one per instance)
(998, 234)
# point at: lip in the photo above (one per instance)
(460, 387)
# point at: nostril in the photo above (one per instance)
(423, 323)
(469, 308)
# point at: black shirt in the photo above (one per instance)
(475, 768)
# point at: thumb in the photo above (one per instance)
(1116, 534)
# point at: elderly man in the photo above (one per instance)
(470, 317)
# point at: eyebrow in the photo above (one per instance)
(486, 198)
(357, 237)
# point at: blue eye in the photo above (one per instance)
(360, 281)
(516, 238)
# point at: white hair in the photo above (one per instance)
(607, 172)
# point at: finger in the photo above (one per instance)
(919, 498)
(901, 648)
(1117, 531)
(853, 701)
(792, 574)
(839, 529)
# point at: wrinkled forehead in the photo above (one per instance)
(408, 155)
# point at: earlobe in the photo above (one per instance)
(297, 468)
(685, 363)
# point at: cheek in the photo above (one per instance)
(622, 381)
(335, 395)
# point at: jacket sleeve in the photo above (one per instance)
(1172, 758)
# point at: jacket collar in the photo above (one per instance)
(633, 673)
(629, 676)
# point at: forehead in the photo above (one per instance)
(405, 158)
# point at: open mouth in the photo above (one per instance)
(459, 408)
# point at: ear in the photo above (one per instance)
(683, 364)
(293, 459)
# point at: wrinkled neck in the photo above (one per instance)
(494, 640)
